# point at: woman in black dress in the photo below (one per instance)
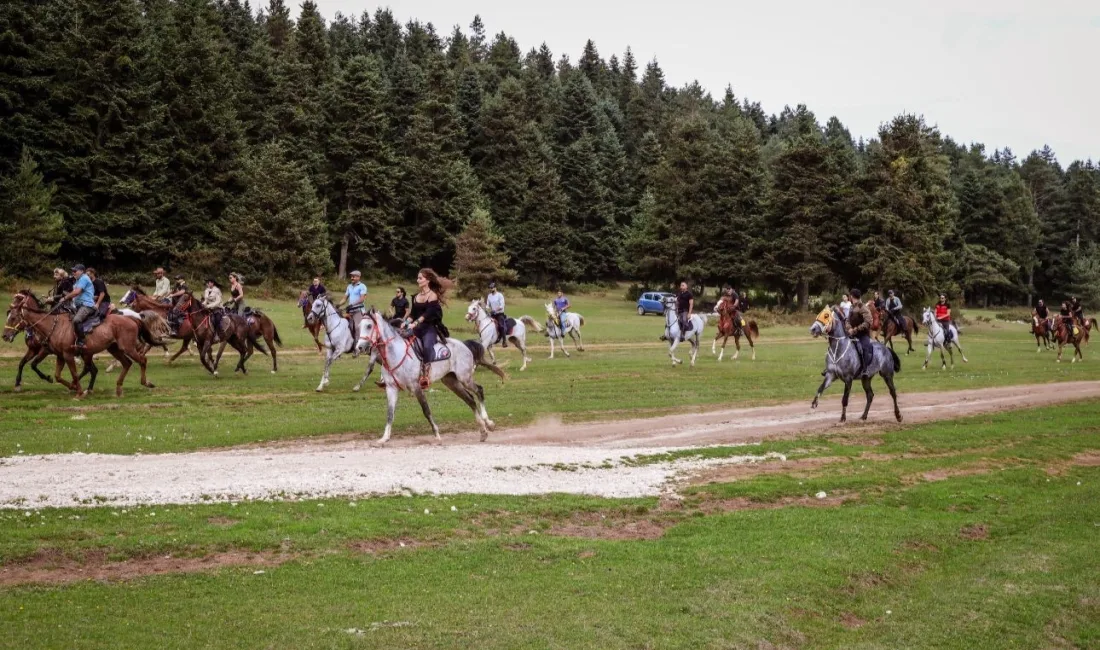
(427, 317)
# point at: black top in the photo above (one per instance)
(316, 292)
(98, 287)
(64, 286)
(683, 299)
(236, 293)
(880, 304)
(400, 306)
(181, 285)
(1041, 311)
(744, 303)
(1065, 313)
(431, 310)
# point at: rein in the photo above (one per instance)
(488, 320)
(382, 345)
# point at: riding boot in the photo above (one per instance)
(425, 376)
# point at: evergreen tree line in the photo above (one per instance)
(202, 134)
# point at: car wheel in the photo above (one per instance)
(641, 310)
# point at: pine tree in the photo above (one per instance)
(478, 258)
(502, 62)
(477, 40)
(1043, 178)
(361, 168)
(468, 103)
(383, 37)
(25, 115)
(275, 228)
(30, 227)
(592, 66)
(344, 39)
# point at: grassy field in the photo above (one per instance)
(962, 534)
(623, 372)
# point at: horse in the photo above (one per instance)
(672, 333)
(876, 323)
(256, 325)
(936, 340)
(477, 314)
(139, 301)
(339, 338)
(119, 335)
(1040, 328)
(36, 351)
(890, 330)
(842, 361)
(313, 327)
(454, 366)
(1065, 336)
(573, 323)
(198, 323)
(728, 326)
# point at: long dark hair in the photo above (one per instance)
(403, 293)
(437, 283)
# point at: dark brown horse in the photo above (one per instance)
(890, 330)
(1065, 335)
(198, 323)
(732, 323)
(259, 325)
(36, 352)
(315, 327)
(1040, 327)
(121, 336)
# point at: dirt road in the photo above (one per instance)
(546, 457)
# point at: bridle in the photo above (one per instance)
(475, 315)
(827, 328)
(374, 339)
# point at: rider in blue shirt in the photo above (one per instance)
(83, 296)
(355, 297)
(561, 303)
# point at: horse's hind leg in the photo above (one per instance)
(577, 340)
(889, 379)
(870, 396)
(124, 363)
(844, 400)
(961, 353)
(714, 346)
(391, 408)
(458, 388)
(423, 399)
(274, 357)
(909, 341)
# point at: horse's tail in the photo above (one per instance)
(478, 350)
(275, 334)
(530, 322)
(897, 360)
(581, 319)
(916, 327)
(754, 329)
(153, 329)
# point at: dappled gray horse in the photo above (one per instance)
(842, 362)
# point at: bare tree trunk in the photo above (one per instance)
(1030, 284)
(804, 295)
(342, 271)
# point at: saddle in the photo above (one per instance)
(90, 324)
(442, 352)
(509, 325)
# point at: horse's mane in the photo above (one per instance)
(27, 293)
(137, 290)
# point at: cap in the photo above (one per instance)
(355, 273)
(891, 292)
(855, 293)
(179, 277)
(78, 267)
(492, 285)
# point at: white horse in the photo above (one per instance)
(672, 333)
(487, 331)
(454, 366)
(936, 339)
(573, 323)
(338, 335)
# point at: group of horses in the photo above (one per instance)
(1061, 335)
(129, 334)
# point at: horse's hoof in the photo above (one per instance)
(354, 389)
(484, 436)
(318, 390)
(17, 389)
(898, 416)
(215, 373)
(273, 372)
(489, 424)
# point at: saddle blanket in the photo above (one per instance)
(91, 323)
(509, 325)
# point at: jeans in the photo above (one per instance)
(683, 319)
(428, 338)
(356, 318)
(499, 319)
(82, 314)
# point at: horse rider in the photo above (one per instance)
(561, 305)
(236, 295)
(743, 302)
(846, 306)
(879, 304)
(315, 290)
(83, 297)
(162, 289)
(1078, 310)
(685, 304)
(212, 300)
(859, 328)
(99, 290)
(62, 286)
(1042, 313)
(893, 310)
(1066, 314)
(426, 320)
(179, 291)
(400, 304)
(354, 297)
(943, 316)
(495, 302)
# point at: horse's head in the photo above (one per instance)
(13, 324)
(128, 297)
(823, 323)
(372, 330)
(550, 311)
(318, 310)
(474, 310)
(927, 317)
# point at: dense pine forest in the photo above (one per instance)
(204, 135)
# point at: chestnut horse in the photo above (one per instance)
(314, 327)
(139, 301)
(36, 352)
(728, 326)
(890, 330)
(1040, 328)
(198, 323)
(1065, 336)
(121, 336)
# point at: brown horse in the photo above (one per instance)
(315, 327)
(121, 336)
(36, 352)
(139, 301)
(876, 323)
(1040, 327)
(1064, 335)
(890, 330)
(731, 323)
(198, 323)
(259, 325)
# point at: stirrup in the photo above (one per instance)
(425, 381)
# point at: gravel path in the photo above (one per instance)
(544, 458)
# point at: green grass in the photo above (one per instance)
(624, 372)
(897, 566)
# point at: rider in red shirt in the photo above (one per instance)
(943, 315)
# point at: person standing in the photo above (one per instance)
(685, 304)
(355, 297)
(99, 289)
(495, 301)
(83, 296)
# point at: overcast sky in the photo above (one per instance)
(1017, 73)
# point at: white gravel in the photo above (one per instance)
(347, 470)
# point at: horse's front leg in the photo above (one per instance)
(423, 399)
(674, 340)
(736, 347)
(821, 389)
(391, 408)
(927, 356)
(332, 356)
(370, 369)
(844, 400)
(551, 339)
